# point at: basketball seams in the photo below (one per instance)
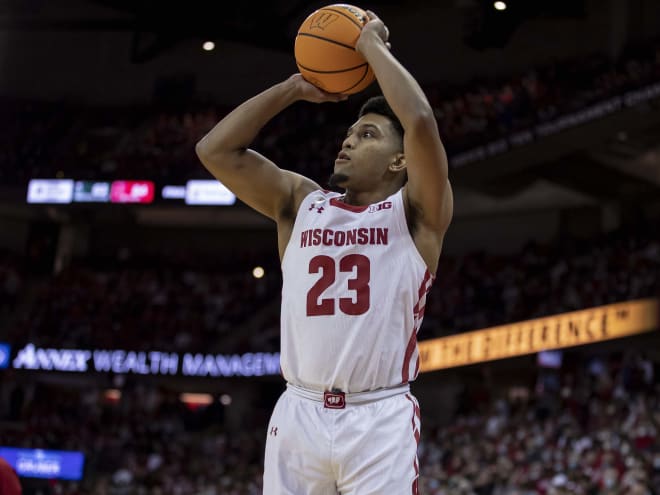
(328, 40)
(347, 16)
(366, 71)
(331, 71)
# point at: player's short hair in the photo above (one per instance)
(379, 105)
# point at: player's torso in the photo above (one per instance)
(354, 288)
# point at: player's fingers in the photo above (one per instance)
(339, 97)
(388, 45)
(325, 96)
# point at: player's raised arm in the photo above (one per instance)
(428, 189)
(257, 181)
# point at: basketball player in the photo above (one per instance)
(356, 269)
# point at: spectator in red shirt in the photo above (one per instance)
(9, 484)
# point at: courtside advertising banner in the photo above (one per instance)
(31, 357)
(48, 464)
(586, 326)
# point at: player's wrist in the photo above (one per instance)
(292, 88)
(367, 42)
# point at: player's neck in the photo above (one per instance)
(364, 198)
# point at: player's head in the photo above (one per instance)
(379, 106)
(372, 152)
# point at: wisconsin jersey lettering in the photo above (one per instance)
(353, 295)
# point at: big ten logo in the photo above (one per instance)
(322, 20)
(386, 205)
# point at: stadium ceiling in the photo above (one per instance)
(157, 26)
(615, 159)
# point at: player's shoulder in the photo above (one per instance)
(300, 187)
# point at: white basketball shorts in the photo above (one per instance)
(353, 444)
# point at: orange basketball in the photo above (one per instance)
(325, 49)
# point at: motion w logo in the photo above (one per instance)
(322, 20)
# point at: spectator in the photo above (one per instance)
(9, 484)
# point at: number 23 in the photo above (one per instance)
(317, 306)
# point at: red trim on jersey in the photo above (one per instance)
(344, 206)
(418, 312)
(406, 359)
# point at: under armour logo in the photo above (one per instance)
(317, 205)
(322, 20)
(273, 431)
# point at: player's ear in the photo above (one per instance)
(398, 164)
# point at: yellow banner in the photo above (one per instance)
(586, 326)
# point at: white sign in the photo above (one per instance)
(174, 192)
(208, 192)
(50, 191)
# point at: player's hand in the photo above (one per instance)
(308, 92)
(373, 30)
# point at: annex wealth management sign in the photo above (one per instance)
(31, 357)
(572, 329)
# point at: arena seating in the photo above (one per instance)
(60, 139)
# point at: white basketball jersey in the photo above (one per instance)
(353, 295)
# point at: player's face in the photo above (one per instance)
(370, 147)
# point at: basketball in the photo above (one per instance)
(325, 49)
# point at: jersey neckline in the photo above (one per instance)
(340, 204)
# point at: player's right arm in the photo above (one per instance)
(254, 179)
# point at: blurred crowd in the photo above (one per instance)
(145, 303)
(591, 428)
(590, 431)
(57, 139)
(11, 281)
(481, 289)
(169, 304)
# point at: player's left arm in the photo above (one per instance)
(428, 189)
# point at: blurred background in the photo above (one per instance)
(139, 300)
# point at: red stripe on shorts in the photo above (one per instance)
(415, 483)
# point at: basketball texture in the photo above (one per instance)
(325, 49)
